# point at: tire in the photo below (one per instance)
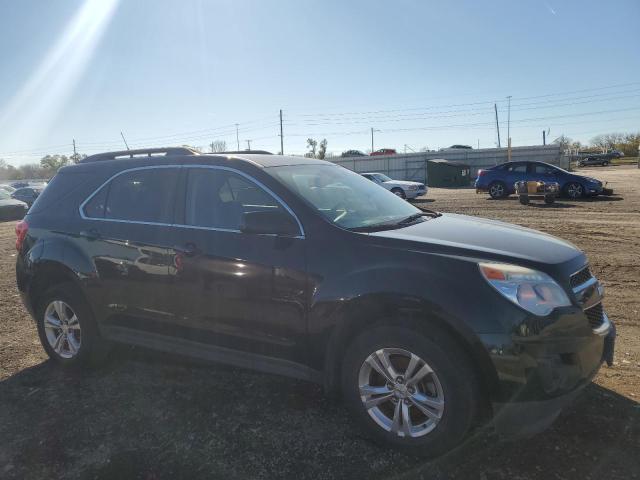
(399, 192)
(605, 163)
(83, 346)
(524, 199)
(574, 190)
(497, 190)
(451, 384)
(549, 200)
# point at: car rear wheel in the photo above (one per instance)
(399, 192)
(605, 163)
(497, 190)
(67, 328)
(409, 390)
(574, 190)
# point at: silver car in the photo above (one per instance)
(402, 188)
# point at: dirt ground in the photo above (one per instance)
(151, 417)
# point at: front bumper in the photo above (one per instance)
(543, 379)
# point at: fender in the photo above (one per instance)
(423, 296)
(50, 261)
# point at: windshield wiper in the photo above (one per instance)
(398, 223)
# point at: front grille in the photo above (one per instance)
(579, 278)
(595, 315)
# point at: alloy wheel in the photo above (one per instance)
(401, 392)
(574, 190)
(496, 190)
(62, 329)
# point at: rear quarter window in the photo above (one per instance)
(60, 186)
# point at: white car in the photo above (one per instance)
(402, 188)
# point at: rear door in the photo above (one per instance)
(126, 229)
(238, 291)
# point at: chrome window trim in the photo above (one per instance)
(180, 225)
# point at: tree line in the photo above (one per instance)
(627, 143)
(47, 168)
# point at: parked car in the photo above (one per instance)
(7, 189)
(353, 153)
(27, 195)
(499, 181)
(384, 151)
(20, 184)
(603, 160)
(401, 188)
(11, 209)
(616, 153)
(425, 322)
(457, 147)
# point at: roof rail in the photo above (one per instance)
(236, 152)
(142, 151)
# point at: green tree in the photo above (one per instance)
(322, 151)
(54, 162)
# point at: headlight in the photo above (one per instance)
(532, 290)
(413, 187)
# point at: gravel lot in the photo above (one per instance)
(151, 417)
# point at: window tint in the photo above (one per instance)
(141, 195)
(94, 208)
(543, 169)
(219, 198)
(518, 168)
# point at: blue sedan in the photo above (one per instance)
(499, 180)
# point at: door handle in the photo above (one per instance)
(91, 234)
(188, 250)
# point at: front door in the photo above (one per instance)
(244, 292)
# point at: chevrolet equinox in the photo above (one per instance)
(426, 323)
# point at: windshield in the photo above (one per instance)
(342, 196)
(382, 177)
(4, 195)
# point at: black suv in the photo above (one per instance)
(426, 323)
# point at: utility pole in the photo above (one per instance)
(497, 125)
(124, 140)
(249, 145)
(281, 136)
(75, 158)
(509, 118)
(544, 137)
(237, 138)
(372, 130)
(509, 129)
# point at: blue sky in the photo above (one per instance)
(422, 73)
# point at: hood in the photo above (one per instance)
(402, 182)
(487, 236)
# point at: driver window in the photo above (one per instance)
(219, 198)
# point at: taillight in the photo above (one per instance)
(22, 227)
(480, 173)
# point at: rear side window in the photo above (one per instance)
(146, 195)
(218, 198)
(519, 168)
(543, 169)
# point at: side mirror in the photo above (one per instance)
(274, 222)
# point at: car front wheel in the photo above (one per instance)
(574, 190)
(408, 390)
(399, 192)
